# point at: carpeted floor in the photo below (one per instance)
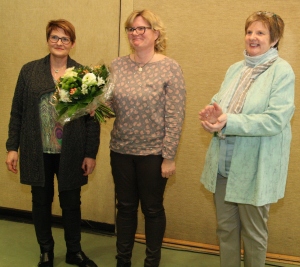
(19, 248)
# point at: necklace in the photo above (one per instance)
(56, 71)
(142, 66)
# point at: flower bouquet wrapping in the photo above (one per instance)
(81, 91)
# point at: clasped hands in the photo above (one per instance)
(212, 118)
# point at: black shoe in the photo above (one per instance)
(79, 259)
(46, 259)
(121, 263)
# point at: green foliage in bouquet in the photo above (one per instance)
(79, 92)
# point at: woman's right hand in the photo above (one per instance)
(217, 126)
(12, 161)
(211, 113)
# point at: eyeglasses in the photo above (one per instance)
(267, 14)
(139, 30)
(55, 39)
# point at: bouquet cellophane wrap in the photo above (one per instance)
(84, 90)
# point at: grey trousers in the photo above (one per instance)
(238, 222)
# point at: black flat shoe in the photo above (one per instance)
(121, 263)
(46, 259)
(79, 259)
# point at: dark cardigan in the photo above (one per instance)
(81, 137)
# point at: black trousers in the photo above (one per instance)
(138, 178)
(42, 198)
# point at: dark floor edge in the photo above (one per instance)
(26, 217)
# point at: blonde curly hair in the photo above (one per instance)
(155, 23)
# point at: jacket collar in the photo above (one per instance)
(44, 70)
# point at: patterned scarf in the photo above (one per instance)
(234, 98)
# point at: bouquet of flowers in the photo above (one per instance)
(81, 91)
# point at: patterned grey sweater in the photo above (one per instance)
(149, 107)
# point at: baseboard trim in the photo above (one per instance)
(214, 250)
(26, 217)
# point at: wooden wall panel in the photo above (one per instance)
(206, 37)
(23, 39)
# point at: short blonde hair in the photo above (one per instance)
(271, 20)
(155, 23)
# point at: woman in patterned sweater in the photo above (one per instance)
(149, 103)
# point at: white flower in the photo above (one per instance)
(64, 96)
(100, 81)
(89, 79)
(84, 89)
(70, 73)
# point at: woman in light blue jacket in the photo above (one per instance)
(247, 160)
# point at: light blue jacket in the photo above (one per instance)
(259, 165)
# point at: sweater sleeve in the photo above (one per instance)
(14, 128)
(92, 137)
(175, 95)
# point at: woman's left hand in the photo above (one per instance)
(167, 168)
(216, 127)
(88, 166)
